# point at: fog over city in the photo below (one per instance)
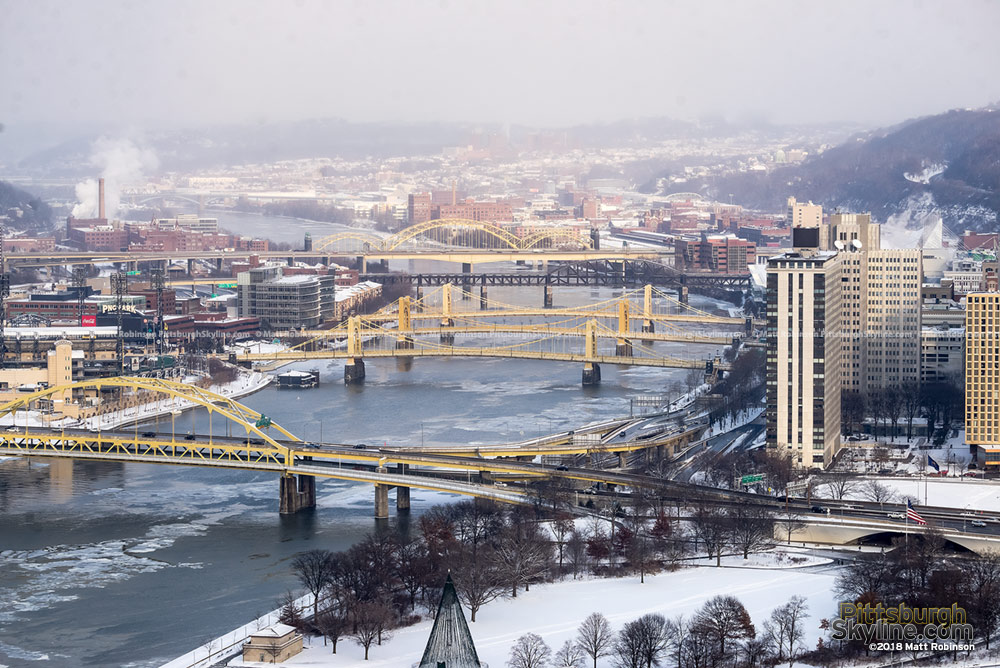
(551, 64)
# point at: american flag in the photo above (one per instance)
(913, 515)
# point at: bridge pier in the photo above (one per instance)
(418, 305)
(290, 261)
(547, 297)
(296, 492)
(381, 499)
(190, 266)
(362, 264)
(622, 460)
(404, 343)
(682, 294)
(591, 373)
(354, 373)
(483, 301)
(623, 348)
(447, 338)
(402, 493)
(218, 264)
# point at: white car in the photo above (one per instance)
(897, 516)
(977, 523)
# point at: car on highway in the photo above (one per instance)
(896, 516)
(189, 437)
(819, 509)
(149, 434)
(562, 467)
(360, 446)
(977, 523)
(968, 514)
(499, 484)
(13, 429)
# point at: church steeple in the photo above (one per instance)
(450, 643)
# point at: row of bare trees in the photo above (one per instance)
(721, 634)
(919, 572)
(940, 402)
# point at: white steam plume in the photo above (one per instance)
(121, 162)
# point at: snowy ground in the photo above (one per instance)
(960, 493)
(555, 611)
(777, 558)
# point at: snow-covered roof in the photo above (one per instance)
(276, 631)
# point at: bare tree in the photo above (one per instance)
(331, 625)
(982, 575)
(522, 554)
(911, 407)
(576, 552)
(893, 408)
(723, 621)
(595, 636)
(562, 530)
(840, 483)
(713, 530)
(371, 621)
(530, 651)
(477, 580)
(867, 577)
(785, 629)
(642, 643)
(314, 570)
(876, 492)
(570, 655)
(789, 521)
(752, 527)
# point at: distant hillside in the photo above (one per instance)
(947, 165)
(23, 210)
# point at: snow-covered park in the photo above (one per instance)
(554, 611)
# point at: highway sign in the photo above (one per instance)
(751, 478)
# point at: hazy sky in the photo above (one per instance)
(536, 62)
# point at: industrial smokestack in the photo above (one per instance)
(100, 198)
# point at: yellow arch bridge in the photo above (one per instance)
(396, 331)
(255, 442)
(460, 232)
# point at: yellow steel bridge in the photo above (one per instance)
(255, 442)
(628, 340)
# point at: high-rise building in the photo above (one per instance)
(982, 376)
(804, 215)
(848, 228)
(804, 356)
(891, 334)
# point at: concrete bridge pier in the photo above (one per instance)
(682, 294)
(402, 493)
(483, 300)
(591, 373)
(354, 373)
(547, 298)
(290, 261)
(404, 343)
(402, 499)
(381, 499)
(417, 304)
(296, 492)
(218, 264)
(648, 327)
(622, 460)
(623, 348)
(447, 338)
(466, 281)
(190, 266)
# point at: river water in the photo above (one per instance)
(131, 565)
